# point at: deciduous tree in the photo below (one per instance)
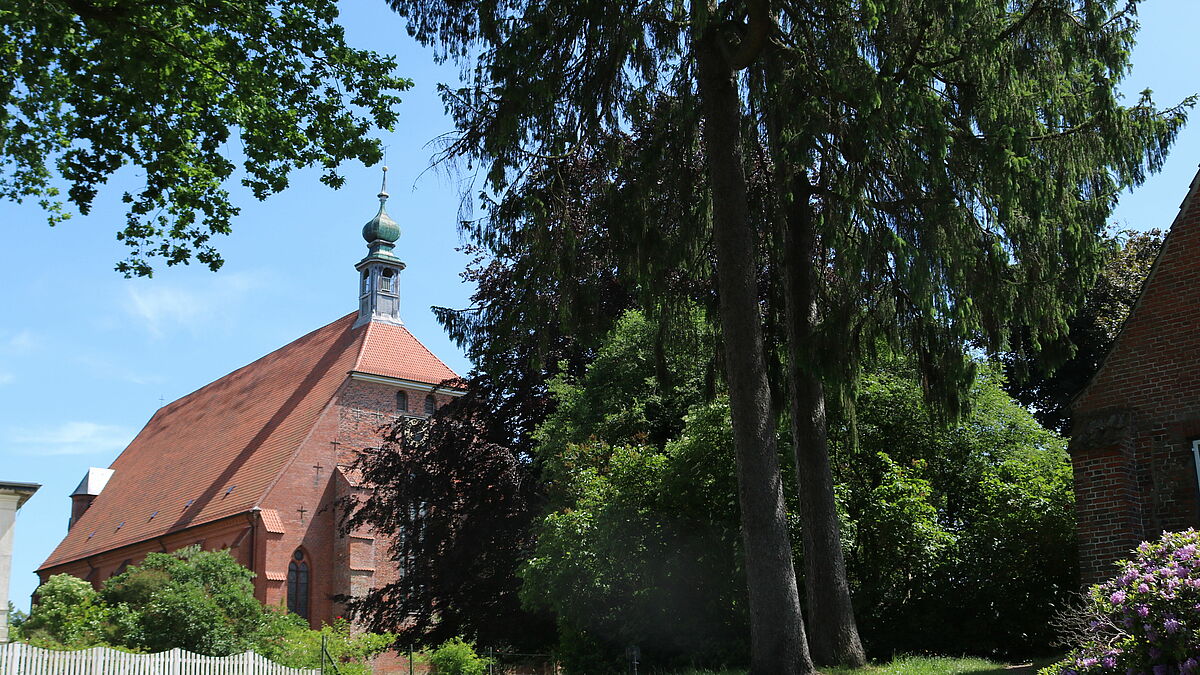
(91, 86)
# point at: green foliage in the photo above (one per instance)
(642, 380)
(1048, 391)
(90, 87)
(69, 614)
(635, 526)
(16, 617)
(643, 505)
(457, 657)
(954, 160)
(201, 601)
(286, 639)
(980, 511)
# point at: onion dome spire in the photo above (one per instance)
(379, 272)
(381, 232)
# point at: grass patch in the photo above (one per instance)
(925, 665)
(918, 665)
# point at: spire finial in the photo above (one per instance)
(383, 193)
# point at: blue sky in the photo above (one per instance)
(86, 356)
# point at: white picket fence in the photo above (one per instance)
(21, 659)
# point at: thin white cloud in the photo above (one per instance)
(161, 306)
(21, 343)
(6, 378)
(70, 438)
(107, 370)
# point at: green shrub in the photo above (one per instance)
(456, 656)
(68, 614)
(201, 601)
(286, 639)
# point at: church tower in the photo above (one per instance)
(379, 272)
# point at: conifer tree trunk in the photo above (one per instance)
(834, 638)
(778, 642)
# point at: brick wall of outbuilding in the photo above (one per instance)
(1131, 443)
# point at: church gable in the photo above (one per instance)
(1160, 333)
(214, 453)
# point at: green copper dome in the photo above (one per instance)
(382, 227)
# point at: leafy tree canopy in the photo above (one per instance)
(1049, 391)
(941, 521)
(91, 86)
(937, 170)
(68, 613)
(642, 505)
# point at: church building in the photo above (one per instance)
(1135, 443)
(257, 461)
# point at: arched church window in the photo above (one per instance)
(388, 283)
(430, 405)
(402, 401)
(366, 282)
(297, 588)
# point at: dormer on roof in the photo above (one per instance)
(93, 481)
(379, 272)
(92, 484)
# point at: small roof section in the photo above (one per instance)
(391, 351)
(23, 490)
(93, 481)
(272, 521)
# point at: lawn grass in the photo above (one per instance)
(918, 665)
(925, 665)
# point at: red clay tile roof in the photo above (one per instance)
(240, 431)
(392, 351)
(351, 475)
(272, 521)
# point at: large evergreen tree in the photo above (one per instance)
(936, 170)
(943, 172)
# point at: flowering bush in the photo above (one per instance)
(1146, 620)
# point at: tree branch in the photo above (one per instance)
(756, 37)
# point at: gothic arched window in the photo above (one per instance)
(297, 585)
(430, 405)
(402, 401)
